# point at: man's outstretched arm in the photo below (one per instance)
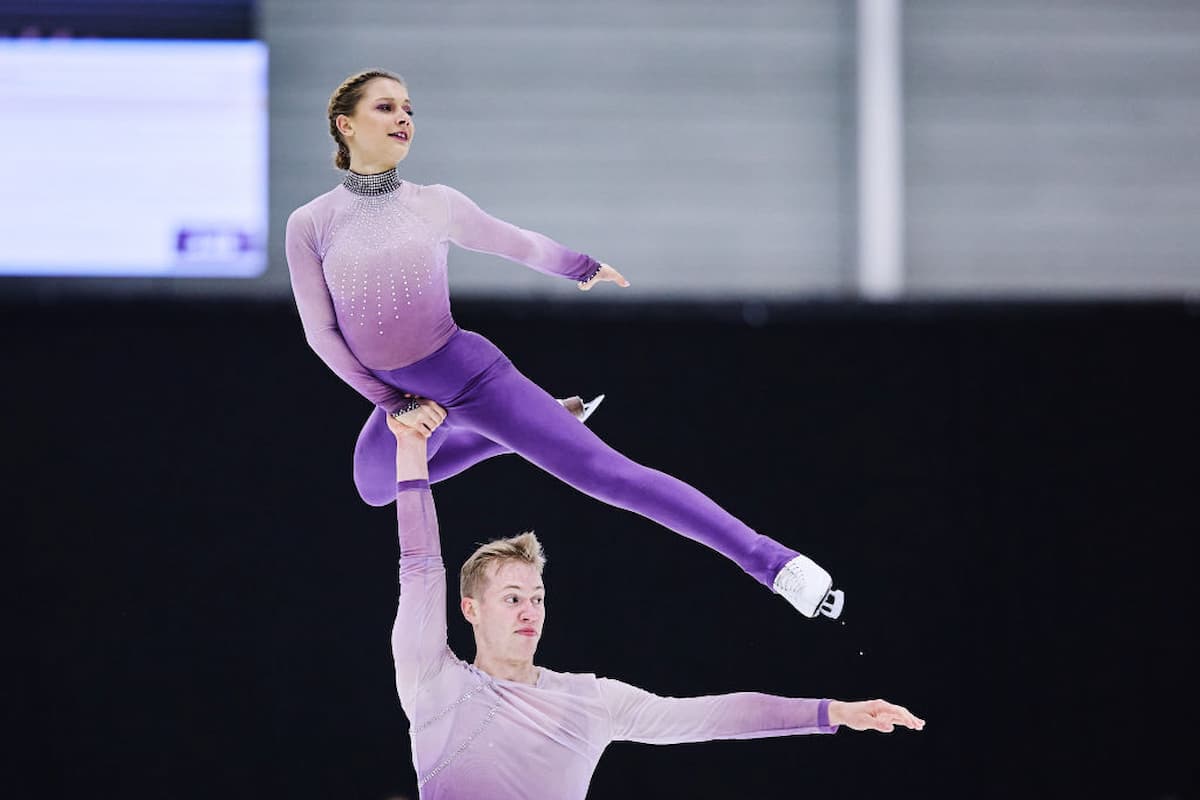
(419, 633)
(640, 716)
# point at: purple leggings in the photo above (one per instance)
(491, 408)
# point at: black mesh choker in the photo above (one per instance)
(371, 185)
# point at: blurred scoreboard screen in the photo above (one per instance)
(135, 136)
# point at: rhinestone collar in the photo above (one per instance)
(372, 185)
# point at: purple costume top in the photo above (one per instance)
(368, 270)
(475, 736)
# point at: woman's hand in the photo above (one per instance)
(606, 273)
(422, 420)
(873, 715)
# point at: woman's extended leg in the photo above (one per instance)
(482, 391)
(508, 408)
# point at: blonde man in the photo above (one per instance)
(503, 728)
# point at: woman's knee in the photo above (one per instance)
(614, 478)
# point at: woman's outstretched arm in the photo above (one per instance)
(472, 228)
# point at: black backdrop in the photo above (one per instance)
(199, 605)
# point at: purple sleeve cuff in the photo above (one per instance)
(588, 268)
(423, 483)
(823, 717)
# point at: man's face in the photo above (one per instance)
(509, 612)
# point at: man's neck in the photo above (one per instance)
(516, 671)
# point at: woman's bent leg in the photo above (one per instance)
(451, 450)
(461, 450)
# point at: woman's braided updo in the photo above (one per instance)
(344, 100)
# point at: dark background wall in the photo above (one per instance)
(199, 605)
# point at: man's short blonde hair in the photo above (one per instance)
(524, 548)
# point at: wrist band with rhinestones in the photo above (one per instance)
(595, 272)
(413, 405)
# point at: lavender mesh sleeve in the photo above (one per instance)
(474, 229)
(419, 632)
(640, 716)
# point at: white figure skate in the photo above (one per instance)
(808, 587)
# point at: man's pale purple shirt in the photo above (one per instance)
(474, 736)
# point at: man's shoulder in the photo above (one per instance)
(574, 682)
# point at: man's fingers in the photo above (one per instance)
(907, 718)
(438, 413)
(903, 716)
(899, 715)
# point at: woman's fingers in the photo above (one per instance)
(605, 273)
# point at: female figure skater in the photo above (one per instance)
(368, 269)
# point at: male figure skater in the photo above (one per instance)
(501, 728)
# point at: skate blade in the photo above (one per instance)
(591, 406)
(831, 606)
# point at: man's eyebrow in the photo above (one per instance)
(514, 586)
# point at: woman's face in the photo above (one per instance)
(381, 128)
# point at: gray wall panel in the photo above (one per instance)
(697, 146)
(708, 149)
(1053, 148)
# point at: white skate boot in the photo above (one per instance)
(580, 409)
(808, 587)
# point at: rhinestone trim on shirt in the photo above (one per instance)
(372, 185)
(445, 762)
(470, 693)
(491, 715)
